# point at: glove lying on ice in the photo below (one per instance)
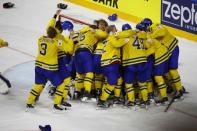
(45, 128)
(8, 5)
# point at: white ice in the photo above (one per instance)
(22, 25)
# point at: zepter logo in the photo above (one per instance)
(180, 14)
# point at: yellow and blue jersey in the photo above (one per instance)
(88, 38)
(160, 33)
(47, 53)
(134, 51)
(68, 48)
(99, 48)
(160, 52)
(111, 50)
(47, 57)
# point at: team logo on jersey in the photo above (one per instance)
(60, 42)
(181, 14)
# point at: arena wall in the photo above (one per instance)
(180, 17)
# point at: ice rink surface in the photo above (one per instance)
(22, 25)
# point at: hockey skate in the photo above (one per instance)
(93, 95)
(144, 104)
(178, 96)
(29, 107)
(164, 101)
(151, 98)
(58, 107)
(118, 101)
(130, 105)
(137, 102)
(103, 104)
(77, 95)
(86, 96)
(66, 104)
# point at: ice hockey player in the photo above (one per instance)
(100, 81)
(63, 56)
(160, 33)
(110, 62)
(161, 56)
(134, 61)
(150, 64)
(83, 57)
(46, 68)
(98, 75)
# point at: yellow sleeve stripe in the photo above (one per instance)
(162, 58)
(98, 79)
(46, 66)
(85, 46)
(173, 45)
(144, 58)
(109, 61)
(132, 63)
(98, 51)
(61, 52)
(39, 62)
(62, 55)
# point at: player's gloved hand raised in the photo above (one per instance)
(58, 12)
(62, 6)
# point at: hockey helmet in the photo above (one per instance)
(126, 27)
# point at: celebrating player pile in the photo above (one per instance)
(128, 67)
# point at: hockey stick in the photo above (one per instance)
(5, 80)
(75, 20)
(172, 100)
(184, 90)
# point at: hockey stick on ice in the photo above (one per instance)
(172, 100)
(75, 20)
(168, 106)
(5, 80)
